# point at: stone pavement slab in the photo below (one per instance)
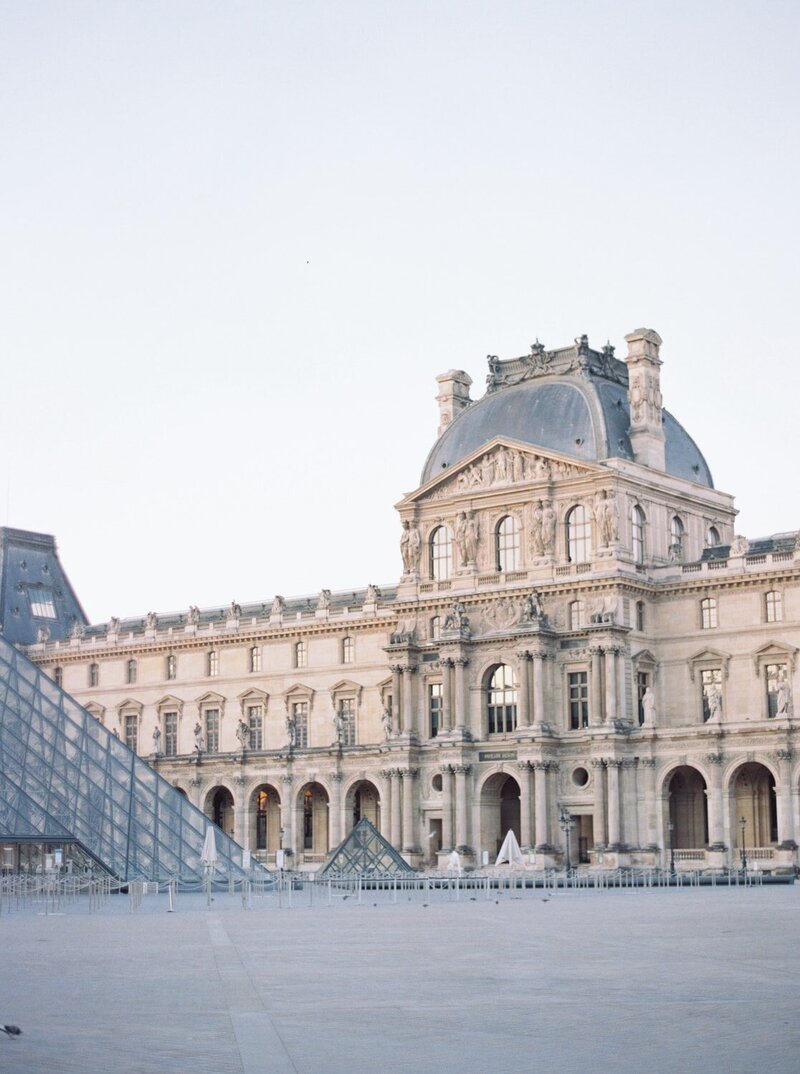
(633, 980)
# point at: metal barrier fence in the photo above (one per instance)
(54, 892)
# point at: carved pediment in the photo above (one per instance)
(253, 696)
(707, 658)
(169, 701)
(500, 463)
(774, 652)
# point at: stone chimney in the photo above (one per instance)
(453, 396)
(644, 397)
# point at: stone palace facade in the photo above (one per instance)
(579, 649)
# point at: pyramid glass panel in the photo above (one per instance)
(366, 853)
(64, 777)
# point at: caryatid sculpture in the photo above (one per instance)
(605, 513)
(467, 537)
(410, 545)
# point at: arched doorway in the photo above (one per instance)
(265, 811)
(219, 807)
(753, 799)
(313, 802)
(688, 809)
(500, 811)
(364, 800)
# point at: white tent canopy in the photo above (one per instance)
(510, 850)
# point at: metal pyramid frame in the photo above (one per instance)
(65, 778)
(366, 853)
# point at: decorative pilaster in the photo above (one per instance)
(538, 687)
(336, 811)
(524, 658)
(599, 818)
(784, 794)
(396, 818)
(396, 670)
(650, 803)
(409, 844)
(462, 716)
(596, 687)
(611, 682)
(288, 814)
(540, 813)
(447, 694)
(612, 768)
(447, 807)
(716, 837)
(524, 804)
(408, 699)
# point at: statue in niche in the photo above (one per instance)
(243, 734)
(278, 604)
(199, 741)
(151, 621)
(388, 722)
(537, 536)
(783, 700)
(605, 513)
(157, 742)
(410, 544)
(467, 535)
(113, 625)
(193, 615)
(291, 732)
(740, 546)
(649, 707)
(324, 601)
(373, 594)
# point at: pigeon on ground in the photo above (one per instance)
(12, 1031)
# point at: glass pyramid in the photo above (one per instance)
(366, 853)
(64, 777)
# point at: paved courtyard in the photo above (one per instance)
(653, 980)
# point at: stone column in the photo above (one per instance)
(447, 694)
(599, 817)
(716, 820)
(784, 794)
(524, 658)
(596, 688)
(611, 683)
(396, 818)
(396, 669)
(622, 708)
(462, 830)
(629, 813)
(408, 700)
(650, 803)
(337, 826)
(538, 688)
(613, 766)
(540, 795)
(289, 818)
(524, 804)
(409, 845)
(386, 805)
(447, 807)
(241, 828)
(462, 716)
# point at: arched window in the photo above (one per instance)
(506, 543)
(94, 674)
(348, 650)
(212, 660)
(640, 615)
(502, 700)
(441, 554)
(712, 537)
(708, 613)
(172, 666)
(577, 615)
(255, 658)
(436, 628)
(58, 676)
(637, 533)
(676, 533)
(579, 535)
(300, 654)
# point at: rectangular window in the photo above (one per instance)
(170, 734)
(300, 717)
(300, 654)
(172, 666)
(256, 725)
(255, 659)
(347, 715)
(777, 690)
(58, 676)
(43, 604)
(131, 672)
(212, 730)
(94, 674)
(213, 662)
(774, 607)
(131, 731)
(435, 707)
(711, 686)
(348, 651)
(578, 686)
(708, 612)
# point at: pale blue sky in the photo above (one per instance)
(238, 241)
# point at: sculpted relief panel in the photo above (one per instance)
(504, 466)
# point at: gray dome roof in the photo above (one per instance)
(585, 416)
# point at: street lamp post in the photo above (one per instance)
(671, 829)
(743, 849)
(566, 821)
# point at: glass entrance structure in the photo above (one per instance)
(65, 779)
